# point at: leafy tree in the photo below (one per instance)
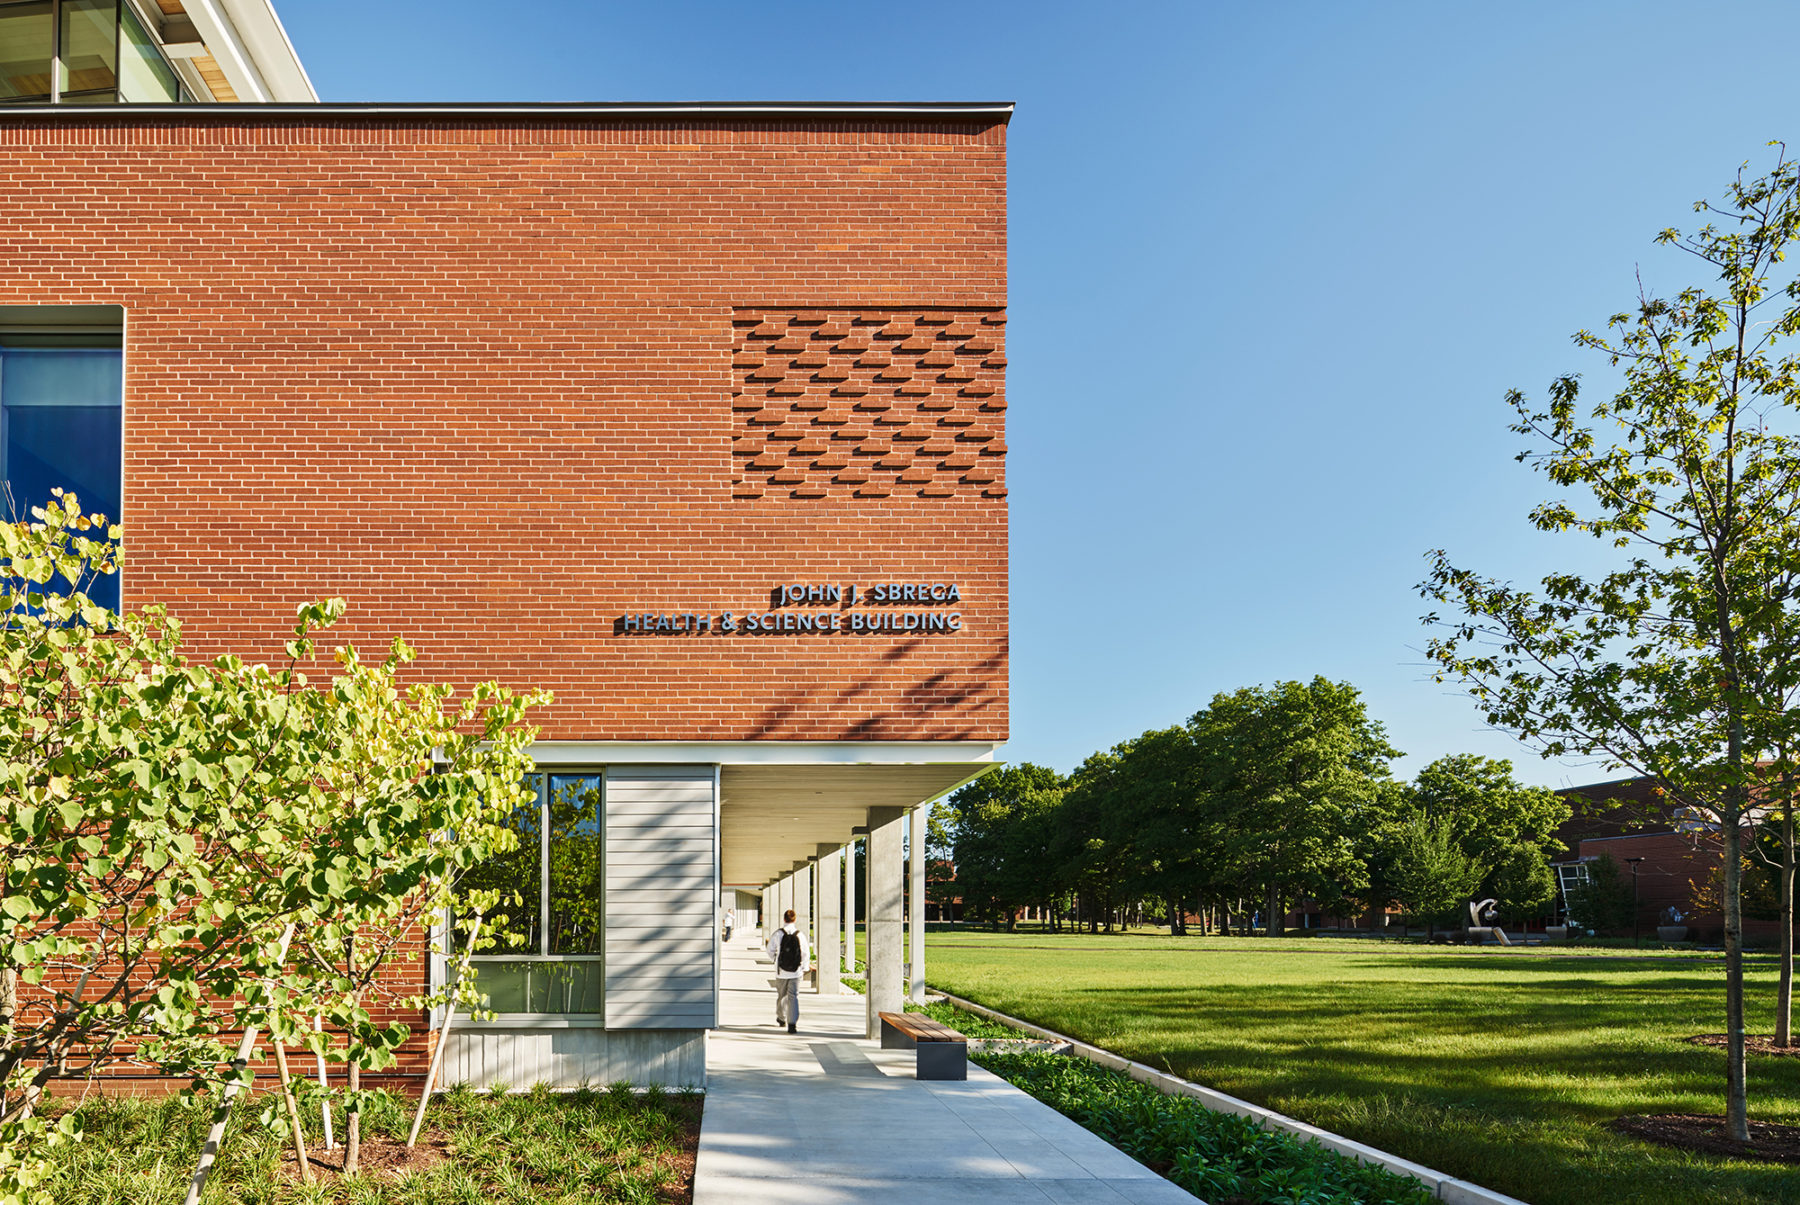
(1295, 770)
(1680, 662)
(1000, 866)
(136, 783)
(1431, 874)
(1506, 829)
(1138, 826)
(1603, 900)
(170, 824)
(1520, 879)
(416, 793)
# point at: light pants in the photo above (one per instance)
(787, 1002)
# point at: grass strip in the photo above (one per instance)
(1219, 1157)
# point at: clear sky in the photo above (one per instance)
(1274, 267)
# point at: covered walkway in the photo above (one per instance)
(825, 1117)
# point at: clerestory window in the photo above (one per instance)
(82, 52)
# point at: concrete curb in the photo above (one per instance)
(1445, 1188)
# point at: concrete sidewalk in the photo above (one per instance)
(825, 1117)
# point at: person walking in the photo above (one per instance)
(792, 955)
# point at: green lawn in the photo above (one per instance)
(1501, 1068)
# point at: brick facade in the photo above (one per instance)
(489, 379)
(478, 377)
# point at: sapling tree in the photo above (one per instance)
(133, 923)
(167, 824)
(417, 792)
(1681, 662)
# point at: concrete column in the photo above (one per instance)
(883, 916)
(830, 944)
(850, 903)
(915, 919)
(802, 904)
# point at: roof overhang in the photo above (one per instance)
(780, 802)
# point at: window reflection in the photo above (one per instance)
(548, 960)
(518, 877)
(82, 52)
(90, 48)
(60, 428)
(27, 41)
(576, 886)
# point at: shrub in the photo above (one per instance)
(1216, 1156)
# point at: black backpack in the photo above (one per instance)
(789, 957)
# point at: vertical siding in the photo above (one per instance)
(661, 892)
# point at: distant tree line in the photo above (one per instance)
(1265, 798)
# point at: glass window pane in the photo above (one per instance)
(143, 74)
(540, 987)
(90, 45)
(25, 47)
(60, 427)
(518, 877)
(577, 882)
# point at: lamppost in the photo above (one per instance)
(1634, 904)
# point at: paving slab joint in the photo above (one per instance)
(1443, 1187)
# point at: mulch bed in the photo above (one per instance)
(1753, 1044)
(380, 1156)
(387, 1158)
(1770, 1142)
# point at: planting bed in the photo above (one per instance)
(479, 1148)
(1219, 1157)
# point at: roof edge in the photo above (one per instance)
(1000, 111)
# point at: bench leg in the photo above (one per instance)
(893, 1039)
(943, 1060)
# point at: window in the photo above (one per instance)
(61, 423)
(549, 955)
(82, 52)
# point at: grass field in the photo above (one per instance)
(1501, 1068)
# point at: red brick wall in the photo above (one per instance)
(477, 377)
(1675, 868)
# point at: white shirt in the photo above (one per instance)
(775, 952)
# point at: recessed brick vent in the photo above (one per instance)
(869, 403)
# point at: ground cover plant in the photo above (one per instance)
(1218, 1157)
(479, 1148)
(1503, 1068)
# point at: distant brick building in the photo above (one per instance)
(1670, 859)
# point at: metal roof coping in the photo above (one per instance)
(1000, 110)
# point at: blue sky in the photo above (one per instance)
(1274, 267)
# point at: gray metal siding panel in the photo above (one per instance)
(661, 893)
(673, 1055)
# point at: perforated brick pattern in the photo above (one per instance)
(868, 403)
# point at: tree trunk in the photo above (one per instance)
(353, 1080)
(1784, 996)
(353, 1122)
(1272, 925)
(1737, 1109)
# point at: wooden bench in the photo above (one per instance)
(941, 1052)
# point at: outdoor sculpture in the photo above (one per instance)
(1480, 910)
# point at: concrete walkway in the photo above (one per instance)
(825, 1117)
